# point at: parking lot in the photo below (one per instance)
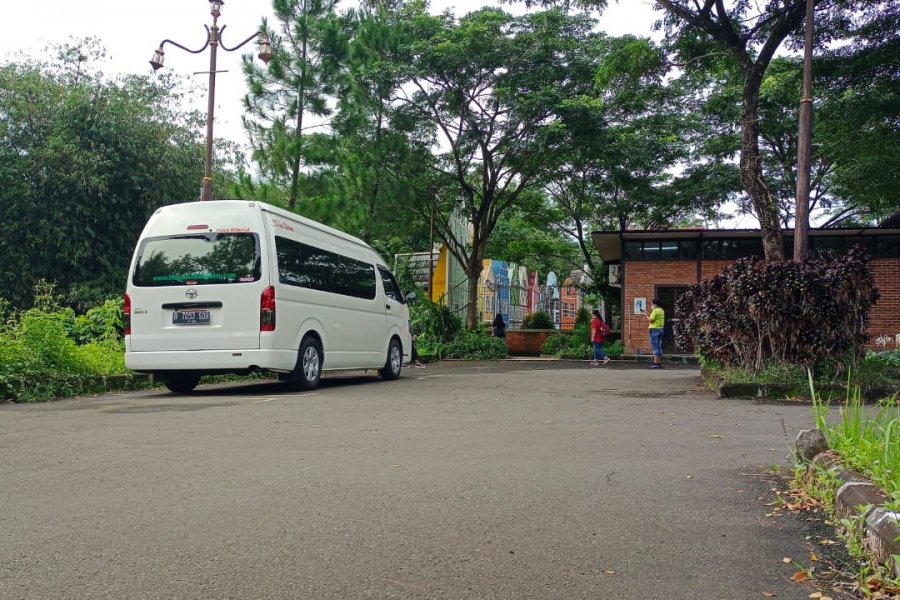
(508, 480)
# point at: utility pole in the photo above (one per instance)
(804, 144)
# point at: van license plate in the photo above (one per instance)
(190, 317)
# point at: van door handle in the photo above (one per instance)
(387, 307)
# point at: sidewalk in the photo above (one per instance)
(682, 359)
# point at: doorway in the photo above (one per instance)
(668, 295)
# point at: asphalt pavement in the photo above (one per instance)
(508, 480)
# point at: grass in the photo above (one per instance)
(867, 437)
(875, 371)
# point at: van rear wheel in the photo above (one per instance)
(391, 369)
(182, 383)
(308, 371)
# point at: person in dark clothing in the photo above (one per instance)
(414, 359)
(499, 326)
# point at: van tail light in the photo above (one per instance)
(267, 309)
(126, 309)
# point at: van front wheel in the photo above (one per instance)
(182, 383)
(309, 365)
(394, 362)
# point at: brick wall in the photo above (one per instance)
(642, 277)
(524, 342)
(885, 316)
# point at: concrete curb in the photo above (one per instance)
(781, 391)
(858, 498)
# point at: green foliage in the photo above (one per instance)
(472, 345)
(616, 348)
(538, 320)
(555, 344)
(523, 237)
(291, 90)
(583, 318)
(582, 333)
(84, 161)
(757, 313)
(577, 345)
(876, 371)
(104, 322)
(39, 357)
(433, 323)
(578, 350)
(868, 439)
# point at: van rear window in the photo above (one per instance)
(198, 259)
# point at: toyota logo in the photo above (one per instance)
(191, 294)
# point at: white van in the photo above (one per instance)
(232, 286)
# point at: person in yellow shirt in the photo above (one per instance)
(657, 318)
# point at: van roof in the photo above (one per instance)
(284, 214)
(310, 223)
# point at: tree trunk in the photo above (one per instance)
(473, 272)
(752, 172)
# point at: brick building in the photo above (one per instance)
(662, 264)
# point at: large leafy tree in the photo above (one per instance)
(627, 133)
(84, 161)
(859, 122)
(750, 34)
(857, 91)
(490, 84)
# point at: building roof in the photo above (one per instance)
(609, 243)
(891, 221)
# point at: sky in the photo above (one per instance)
(131, 32)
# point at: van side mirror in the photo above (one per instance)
(410, 296)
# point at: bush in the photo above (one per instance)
(555, 344)
(432, 322)
(616, 348)
(583, 317)
(538, 320)
(757, 313)
(104, 322)
(46, 350)
(574, 345)
(582, 334)
(577, 350)
(473, 345)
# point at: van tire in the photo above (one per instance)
(391, 369)
(182, 383)
(308, 371)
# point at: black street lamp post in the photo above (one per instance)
(213, 41)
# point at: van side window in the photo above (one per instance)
(391, 289)
(306, 266)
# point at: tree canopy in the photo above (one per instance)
(84, 161)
